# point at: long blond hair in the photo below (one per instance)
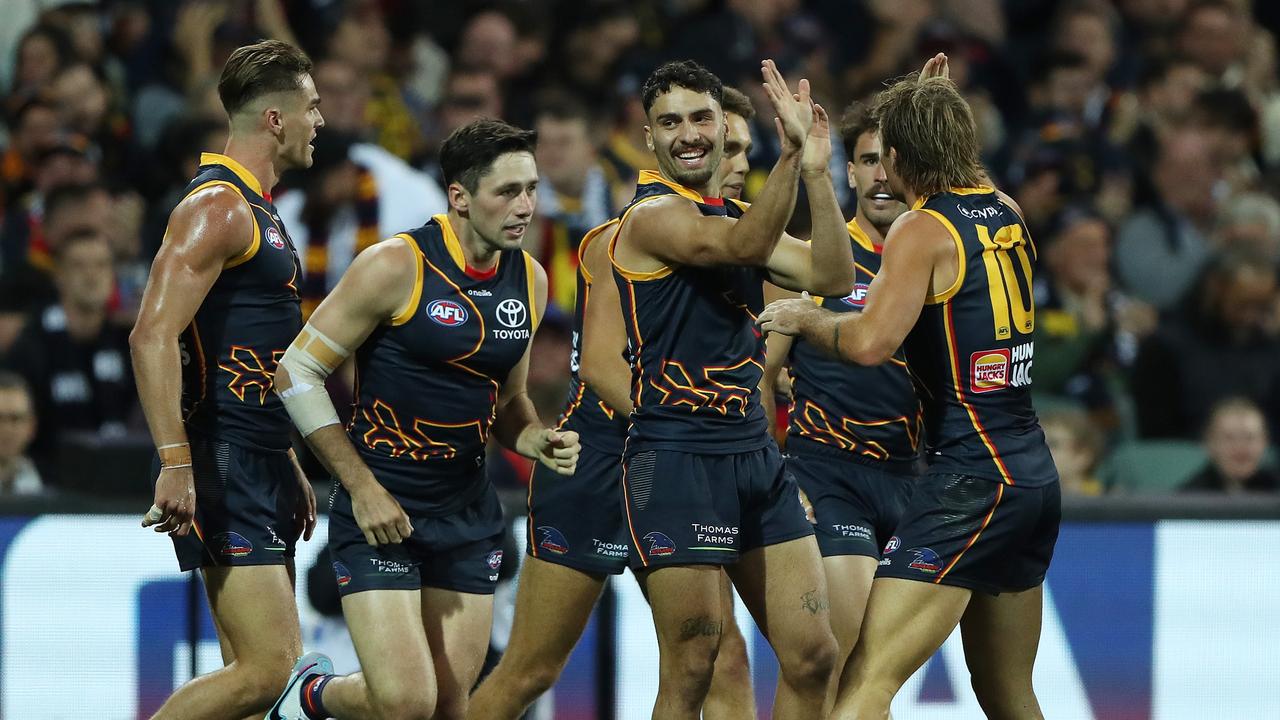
(930, 127)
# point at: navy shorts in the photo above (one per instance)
(577, 521)
(856, 503)
(693, 509)
(460, 551)
(245, 503)
(975, 533)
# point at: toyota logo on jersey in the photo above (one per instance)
(511, 313)
(447, 313)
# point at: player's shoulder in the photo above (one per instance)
(661, 209)
(216, 200)
(388, 259)
(924, 230)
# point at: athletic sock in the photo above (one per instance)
(312, 704)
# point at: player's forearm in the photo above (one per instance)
(334, 450)
(516, 418)
(610, 380)
(757, 232)
(830, 253)
(157, 369)
(846, 337)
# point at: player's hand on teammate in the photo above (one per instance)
(936, 66)
(795, 115)
(175, 501)
(808, 508)
(786, 317)
(816, 157)
(378, 515)
(557, 449)
(304, 511)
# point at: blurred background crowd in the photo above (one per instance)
(1141, 138)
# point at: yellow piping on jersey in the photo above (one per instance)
(415, 297)
(950, 292)
(632, 275)
(452, 245)
(860, 236)
(531, 280)
(229, 163)
(592, 234)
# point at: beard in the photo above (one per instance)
(692, 177)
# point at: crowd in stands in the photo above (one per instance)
(1140, 137)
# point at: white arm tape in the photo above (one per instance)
(309, 360)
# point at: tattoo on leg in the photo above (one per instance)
(701, 626)
(814, 602)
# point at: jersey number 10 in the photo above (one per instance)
(1010, 294)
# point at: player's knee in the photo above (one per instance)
(731, 661)
(691, 664)
(1004, 697)
(535, 681)
(408, 702)
(811, 662)
(262, 683)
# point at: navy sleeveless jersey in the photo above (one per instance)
(427, 381)
(971, 349)
(871, 412)
(238, 335)
(696, 354)
(597, 424)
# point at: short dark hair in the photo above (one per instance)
(736, 102)
(255, 70)
(69, 195)
(469, 152)
(559, 104)
(78, 236)
(10, 380)
(680, 73)
(856, 120)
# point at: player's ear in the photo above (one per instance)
(459, 198)
(648, 138)
(275, 120)
(853, 184)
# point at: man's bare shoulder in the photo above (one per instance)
(217, 216)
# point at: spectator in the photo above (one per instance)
(573, 192)
(1236, 440)
(1250, 222)
(1076, 446)
(72, 355)
(1163, 246)
(42, 53)
(1224, 344)
(1086, 329)
(345, 96)
(18, 475)
(354, 195)
(34, 130)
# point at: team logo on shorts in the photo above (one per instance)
(552, 540)
(989, 370)
(232, 544)
(659, 544)
(893, 544)
(274, 239)
(447, 313)
(858, 297)
(342, 573)
(927, 561)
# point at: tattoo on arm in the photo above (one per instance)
(815, 602)
(701, 626)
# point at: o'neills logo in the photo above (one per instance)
(989, 370)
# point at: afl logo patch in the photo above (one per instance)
(858, 297)
(511, 313)
(274, 239)
(447, 313)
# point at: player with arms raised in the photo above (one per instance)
(954, 290)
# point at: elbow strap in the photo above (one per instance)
(308, 362)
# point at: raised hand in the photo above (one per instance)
(936, 66)
(795, 116)
(817, 147)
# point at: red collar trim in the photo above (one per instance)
(717, 202)
(475, 274)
